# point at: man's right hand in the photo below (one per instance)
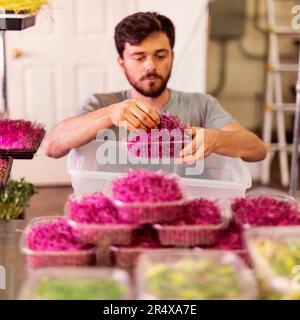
(133, 115)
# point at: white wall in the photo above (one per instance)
(190, 19)
(73, 55)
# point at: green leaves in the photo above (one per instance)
(79, 289)
(15, 198)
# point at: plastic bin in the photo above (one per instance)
(44, 259)
(275, 254)
(76, 284)
(219, 176)
(194, 275)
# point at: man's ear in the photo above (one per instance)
(121, 62)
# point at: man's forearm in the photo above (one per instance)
(242, 144)
(77, 131)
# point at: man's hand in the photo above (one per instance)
(233, 141)
(133, 115)
(204, 142)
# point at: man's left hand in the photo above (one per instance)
(204, 142)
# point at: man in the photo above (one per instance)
(145, 43)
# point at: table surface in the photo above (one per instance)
(11, 258)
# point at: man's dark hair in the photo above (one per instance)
(135, 28)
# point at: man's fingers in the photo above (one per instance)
(149, 111)
(199, 154)
(198, 140)
(127, 125)
(188, 149)
(143, 117)
(135, 122)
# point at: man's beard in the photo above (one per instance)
(151, 92)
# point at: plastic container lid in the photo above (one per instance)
(108, 191)
(76, 284)
(154, 150)
(194, 275)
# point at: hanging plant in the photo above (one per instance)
(20, 138)
(19, 14)
(22, 6)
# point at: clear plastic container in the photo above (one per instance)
(76, 284)
(126, 257)
(159, 151)
(194, 235)
(275, 254)
(284, 198)
(102, 234)
(194, 275)
(242, 253)
(42, 259)
(219, 176)
(148, 212)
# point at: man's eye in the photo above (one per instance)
(139, 59)
(161, 56)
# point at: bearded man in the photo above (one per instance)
(145, 43)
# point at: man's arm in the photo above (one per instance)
(237, 141)
(79, 130)
(76, 131)
(233, 140)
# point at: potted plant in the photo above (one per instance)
(15, 199)
(19, 14)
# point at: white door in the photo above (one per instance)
(70, 54)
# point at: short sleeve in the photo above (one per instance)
(101, 100)
(91, 103)
(215, 117)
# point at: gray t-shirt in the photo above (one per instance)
(194, 109)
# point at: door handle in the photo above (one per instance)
(16, 53)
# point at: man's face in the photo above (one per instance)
(148, 65)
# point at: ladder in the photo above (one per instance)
(274, 102)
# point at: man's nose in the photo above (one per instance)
(150, 64)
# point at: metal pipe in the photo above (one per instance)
(295, 155)
(4, 103)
